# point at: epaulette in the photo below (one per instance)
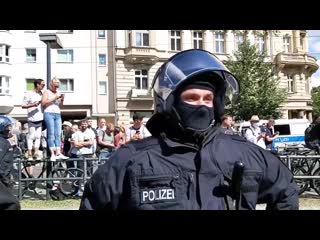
(236, 137)
(142, 144)
(233, 136)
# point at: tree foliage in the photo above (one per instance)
(259, 86)
(315, 94)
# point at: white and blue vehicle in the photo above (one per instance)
(291, 132)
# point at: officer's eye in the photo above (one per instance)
(191, 97)
(208, 98)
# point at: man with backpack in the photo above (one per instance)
(312, 135)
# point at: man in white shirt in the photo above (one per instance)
(82, 141)
(254, 133)
(32, 102)
(137, 130)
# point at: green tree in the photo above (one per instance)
(315, 95)
(259, 86)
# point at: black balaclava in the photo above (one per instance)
(197, 118)
(6, 133)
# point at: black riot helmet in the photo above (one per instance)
(185, 68)
(5, 122)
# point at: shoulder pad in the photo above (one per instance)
(238, 138)
(143, 143)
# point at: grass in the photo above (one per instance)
(70, 204)
(73, 204)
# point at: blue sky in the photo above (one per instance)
(314, 50)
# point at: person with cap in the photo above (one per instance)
(67, 133)
(137, 130)
(189, 163)
(32, 102)
(52, 100)
(255, 134)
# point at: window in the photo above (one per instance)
(101, 34)
(290, 83)
(282, 129)
(239, 39)
(141, 79)
(4, 85)
(31, 55)
(66, 85)
(197, 39)
(65, 55)
(30, 84)
(142, 38)
(219, 42)
(102, 88)
(4, 53)
(102, 59)
(175, 40)
(286, 44)
(259, 41)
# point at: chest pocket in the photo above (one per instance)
(250, 188)
(251, 180)
(157, 189)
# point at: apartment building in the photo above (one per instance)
(139, 53)
(81, 65)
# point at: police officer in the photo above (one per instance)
(7, 200)
(188, 163)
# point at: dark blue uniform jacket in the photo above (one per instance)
(158, 173)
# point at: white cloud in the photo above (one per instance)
(314, 32)
(315, 78)
(315, 81)
(314, 47)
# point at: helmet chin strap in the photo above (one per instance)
(191, 134)
(6, 134)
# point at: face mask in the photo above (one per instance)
(255, 125)
(195, 117)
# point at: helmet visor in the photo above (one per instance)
(189, 63)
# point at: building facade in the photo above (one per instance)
(139, 53)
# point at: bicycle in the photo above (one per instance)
(303, 166)
(72, 186)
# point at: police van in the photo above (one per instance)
(291, 131)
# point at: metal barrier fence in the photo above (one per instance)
(314, 159)
(23, 166)
(311, 164)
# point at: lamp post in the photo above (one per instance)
(52, 41)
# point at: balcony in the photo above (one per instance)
(141, 55)
(296, 59)
(141, 94)
(6, 104)
(6, 37)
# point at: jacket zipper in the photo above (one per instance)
(190, 185)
